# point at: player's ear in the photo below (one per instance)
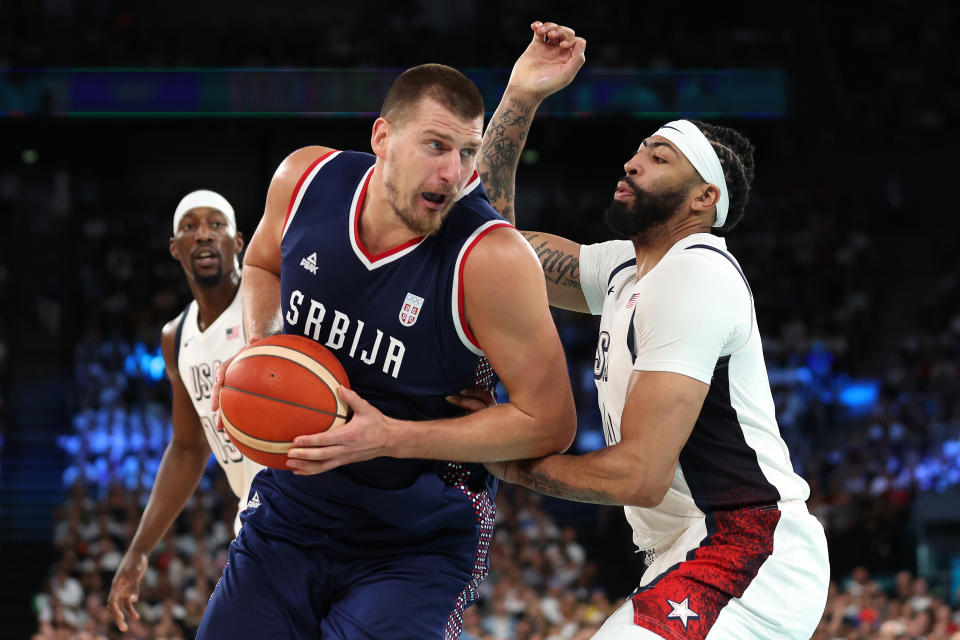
(239, 241)
(378, 138)
(705, 197)
(173, 249)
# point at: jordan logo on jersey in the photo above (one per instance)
(410, 310)
(310, 263)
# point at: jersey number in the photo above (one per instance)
(600, 361)
(224, 449)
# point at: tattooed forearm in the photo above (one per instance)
(500, 153)
(535, 476)
(559, 267)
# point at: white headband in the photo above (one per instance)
(204, 198)
(698, 150)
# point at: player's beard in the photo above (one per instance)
(421, 225)
(648, 209)
(210, 281)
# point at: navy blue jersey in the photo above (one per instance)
(396, 323)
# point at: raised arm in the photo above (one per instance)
(525, 351)
(180, 470)
(548, 64)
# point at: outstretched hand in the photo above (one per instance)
(550, 61)
(125, 589)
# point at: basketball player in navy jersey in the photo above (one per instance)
(207, 244)
(694, 453)
(396, 262)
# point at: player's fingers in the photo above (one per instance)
(322, 439)
(580, 48)
(116, 613)
(483, 395)
(467, 404)
(561, 35)
(220, 426)
(128, 604)
(543, 31)
(353, 399)
(312, 467)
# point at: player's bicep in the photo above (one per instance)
(506, 308)
(659, 414)
(560, 261)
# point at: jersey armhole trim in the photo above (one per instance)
(620, 267)
(179, 334)
(459, 313)
(301, 187)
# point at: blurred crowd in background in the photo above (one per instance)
(855, 284)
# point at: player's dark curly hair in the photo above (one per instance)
(736, 158)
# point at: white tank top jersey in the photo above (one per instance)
(692, 314)
(198, 355)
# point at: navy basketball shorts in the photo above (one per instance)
(273, 588)
(751, 574)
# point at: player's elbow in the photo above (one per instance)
(648, 492)
(564, 426)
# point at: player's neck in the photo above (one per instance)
(211, 303)
(654, 243)
(380, 228)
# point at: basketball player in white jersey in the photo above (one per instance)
(693, 450)
(209, 331)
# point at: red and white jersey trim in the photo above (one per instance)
(459, 315)
(369, 260)
(302, 185)
(472, 184)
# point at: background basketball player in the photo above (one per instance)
(209, 331)
(693, 450)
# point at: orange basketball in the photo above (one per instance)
(277, 389)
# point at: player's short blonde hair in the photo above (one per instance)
(444, 84)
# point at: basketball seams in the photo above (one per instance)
(318, 369)
(286, 402)
(259, 444)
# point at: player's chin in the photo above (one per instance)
(428, 220)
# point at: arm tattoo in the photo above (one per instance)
(559, 267)
(538, 479)
(500, 153)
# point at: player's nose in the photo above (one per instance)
(632, 166)
(204, 232)
(450, 168)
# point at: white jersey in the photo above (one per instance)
(691, 314)
(198, 354)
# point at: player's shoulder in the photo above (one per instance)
(608, 260)
(701, 263)
(170, 335)
(172, 327)
(702, 253)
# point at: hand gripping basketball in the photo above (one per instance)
(367, 435)
(279, 388)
